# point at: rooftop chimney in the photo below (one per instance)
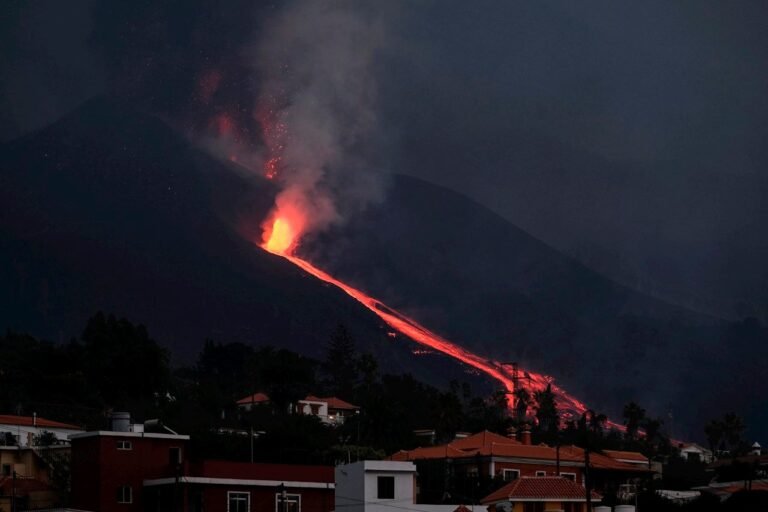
(512, 433)
(525, 435)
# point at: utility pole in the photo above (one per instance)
(587, 482)
(13, 490)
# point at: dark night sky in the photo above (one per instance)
(631, 135)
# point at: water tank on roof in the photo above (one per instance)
(120, 421)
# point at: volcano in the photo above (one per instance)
(111, 209)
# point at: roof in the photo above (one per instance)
(484, 439)
(256, 398)
(488, 444)
(333, 402)
(623, 455)
(606, 462)
(549, 488)
(31, 421)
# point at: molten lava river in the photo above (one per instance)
(280, 239)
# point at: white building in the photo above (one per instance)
(383, 486)
(23, 431)
(693, 451)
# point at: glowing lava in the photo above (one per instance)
(280, 238)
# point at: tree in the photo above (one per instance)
(714, 430)
(522, 402)
(547, 417)
(341, 364)
(733, 428)
(123, 362)
(633, 417)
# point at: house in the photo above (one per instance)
(249, 402)
(25, 479)
(26, 431)
(695, 452)
(224, 486)
(475, 463)
(129, 468)
(109, 466)
(384, 486)
(331, 410)
(534, 494)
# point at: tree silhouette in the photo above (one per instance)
(633, 417)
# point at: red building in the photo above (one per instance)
(222, 486)
(141, 471)
(109, 468)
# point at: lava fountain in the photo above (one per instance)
(280, 237)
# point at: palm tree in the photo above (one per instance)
(522, 402)
(714, 431)
(733, 428)
(633, 416)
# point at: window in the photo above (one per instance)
(174, 455)
(569, 476)
(238, 501)
(541, 473)
(6, 470)
(292, 503)
(124, 445)
(386, 488)
(124, 494)
(533, 507)
(510, 474)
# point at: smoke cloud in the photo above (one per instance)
(317, 109)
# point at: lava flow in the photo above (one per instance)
(279, 238)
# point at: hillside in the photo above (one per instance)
(109, 209)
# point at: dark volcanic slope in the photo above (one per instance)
(472, 276)
(111, 210)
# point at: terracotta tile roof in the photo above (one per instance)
(431, 452)
(482, 439)
(552, 488)
(29, 421)
(333, 402)
(256, 398)
(338, 403)
(622, 455)
(601, 461)
(462, 508)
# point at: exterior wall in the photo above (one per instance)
(553, 506)
(263, 499)
(527, 469)
(357, 488)
(94, 488)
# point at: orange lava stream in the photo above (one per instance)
(569, 406)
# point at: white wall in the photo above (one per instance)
(357, 488)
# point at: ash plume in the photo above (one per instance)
(317, 108)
